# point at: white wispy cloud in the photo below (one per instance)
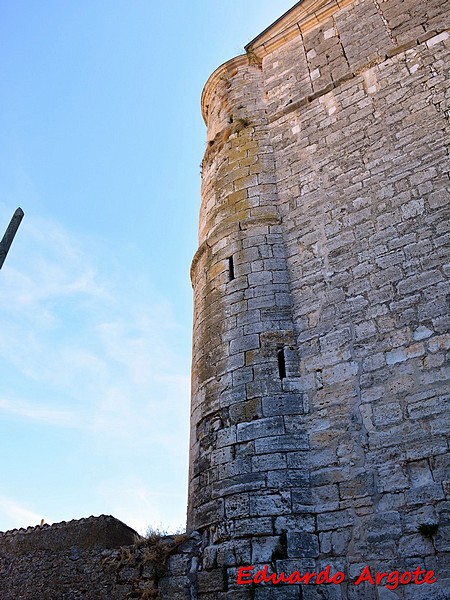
(39, 413)
(63, 325)
(86, 351)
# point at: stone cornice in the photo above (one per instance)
(300, 18)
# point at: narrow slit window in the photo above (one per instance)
(281, 363)
(230, 268)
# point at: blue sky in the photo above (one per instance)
(102, 140)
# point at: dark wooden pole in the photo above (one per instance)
(11, 231)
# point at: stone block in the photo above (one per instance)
(211, 581)
(290, 592)
(326, 497)
(381, 527)
(413, 208)
(339, 372)
(286, 404)
(298, 522)
(243, 343)
(261, 428)
(269, 462)
(302, 545)
(425, 494)
(334, 520)
(415, 545)
(263, 549)
(238, 483)
(253, 526)
(282, 479)
(234, 553)
(266, 503)
(282, 443)
(237, 506)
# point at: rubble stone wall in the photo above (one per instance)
(61, 561)
(98, 558)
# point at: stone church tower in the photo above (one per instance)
(319, 427)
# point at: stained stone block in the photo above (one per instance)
(246, 411)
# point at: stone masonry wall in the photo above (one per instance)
(320, 422)
(325, 180)
(61, 561)
(98, 558)
(362, 176)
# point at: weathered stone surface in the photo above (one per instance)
(95, 558)
(320, 419)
